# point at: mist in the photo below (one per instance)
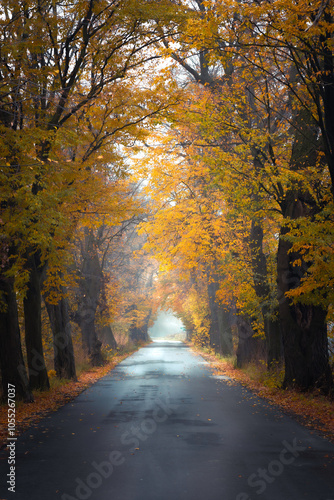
(167, 326)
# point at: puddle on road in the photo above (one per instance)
(221, 377)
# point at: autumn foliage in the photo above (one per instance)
(167, 154)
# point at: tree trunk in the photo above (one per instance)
(38, 377)
(225, 328)
(189, 333)
(214, 332)
(64, 362)
(105, 332)
(86, 321)
(13, 370)
(274, 342)
(220, 329)
(189, 327)
(304, 327)
(90, 288)
(139, 333)
(260, 277)
(107, 336)
(249, 347)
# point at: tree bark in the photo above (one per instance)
(64, 362)
(260, 277)
(249, 348)
(214, 332)
(92, 345)
(38, 377)
(85, 317)
(90, 287)
(13, 370)
(106, 334)
(220, 329)
(303, 327)
(225, 327)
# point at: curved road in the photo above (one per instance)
(161, 427)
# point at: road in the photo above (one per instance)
(160, 426)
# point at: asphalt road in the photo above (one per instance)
(161, 427)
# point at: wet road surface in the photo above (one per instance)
(160, 426)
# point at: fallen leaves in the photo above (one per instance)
(310, 409)
(28, 414)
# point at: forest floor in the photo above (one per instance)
(60, 393)
(311, 409)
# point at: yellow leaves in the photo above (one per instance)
(201, 204)
(195, 309)
(314, 242)
(59, 277)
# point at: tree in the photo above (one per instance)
(242, 125)
(13, 369)
(264, 73)
(59, 315)
(57, 58)
(139, 305)
(187, 228)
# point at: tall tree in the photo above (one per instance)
(271, 67)
(56, 59)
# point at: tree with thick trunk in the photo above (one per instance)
(220, 328)
(89, 293)
(249, 348)
(13, 370)
(106, 334)
(261, 286)
(64, 362)
(38, 377)
(303, 326)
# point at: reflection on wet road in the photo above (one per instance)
(160, 426)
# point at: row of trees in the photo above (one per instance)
(241, 181)
(237, 125)
(76, 87)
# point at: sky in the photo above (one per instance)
(166, 325)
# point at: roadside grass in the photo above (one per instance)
(272, 379)
(311, 409)
(61, 391)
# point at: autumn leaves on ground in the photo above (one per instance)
(166, 155)
(58, 394)
(313, 410)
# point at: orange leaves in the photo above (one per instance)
(68, 115)
(314, 242)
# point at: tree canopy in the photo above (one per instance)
(200, 135)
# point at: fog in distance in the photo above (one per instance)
(167, 326)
